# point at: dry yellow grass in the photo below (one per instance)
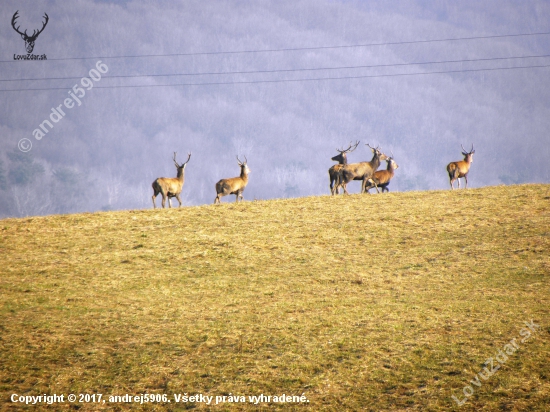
(380, 302)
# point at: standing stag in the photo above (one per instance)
(235, 185)
(461, 168)
(170, 187)
(382, 178)
(361, 171)
(342, 159)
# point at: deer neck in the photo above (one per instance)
(375, 162)
(244, 175)
(180, 173)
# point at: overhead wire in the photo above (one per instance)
(395, 43)
(287, 70)
(288, 80)
(211, 83)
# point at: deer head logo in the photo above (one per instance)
(29, 40)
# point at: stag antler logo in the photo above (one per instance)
(29, 40)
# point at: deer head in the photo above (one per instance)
(391, 163)
(244, 167)
(468, 156)
(182, 166)
(29, 40)
(377, 153)
(342, 157)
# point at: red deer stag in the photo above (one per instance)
(461, 168)
(235, 185)
(382, 178)
(361, 171)
(170, 187)
(342, 159)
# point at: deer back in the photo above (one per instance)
(231, 184)
(170, 184)
(356, 169)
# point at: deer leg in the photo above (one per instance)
(344, 186)
(364, 185)
(163, 200)
(179, 200)
(155, 194)
(369, 186)
(466, 181)
(375, 185)
(335, 184)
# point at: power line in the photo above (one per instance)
(288, 80)
(295, 48)
(288, 70)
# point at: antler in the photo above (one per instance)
(240, 163)
(391, 151)
(34, 33)
(472, 151)
(174, 158)
(188, 157)
(349, 149)
(15, 16)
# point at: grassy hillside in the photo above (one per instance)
(365, 302)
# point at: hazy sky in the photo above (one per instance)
(119, 139)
